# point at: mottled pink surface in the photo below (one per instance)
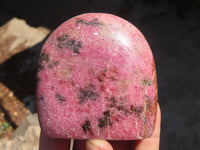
(96, 79)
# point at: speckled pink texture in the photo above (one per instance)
(96, 79)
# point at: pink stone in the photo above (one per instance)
(97, 79)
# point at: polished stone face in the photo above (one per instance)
(97, 79)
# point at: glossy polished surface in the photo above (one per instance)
(97, 79)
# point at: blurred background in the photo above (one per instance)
(172, 28)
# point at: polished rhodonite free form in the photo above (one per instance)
(97, 79)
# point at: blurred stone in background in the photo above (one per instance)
(16, 99)
(17, 36)
(26, 137)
